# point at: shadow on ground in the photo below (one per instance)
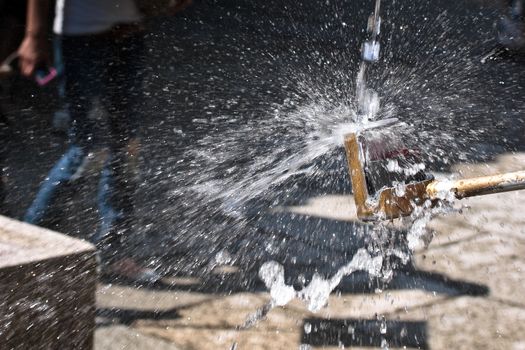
(365, 333)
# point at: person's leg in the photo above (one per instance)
(63, 172)
(82, 83)
(114, 218)
(119, 181)
(123, 90)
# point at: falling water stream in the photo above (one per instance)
(367, 100)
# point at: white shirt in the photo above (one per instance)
(80, 17)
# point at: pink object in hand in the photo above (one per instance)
(43, 78)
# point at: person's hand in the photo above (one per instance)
(32, 53)
(179, 5)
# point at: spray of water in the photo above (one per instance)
(286, 146)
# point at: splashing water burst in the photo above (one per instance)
(317, 292)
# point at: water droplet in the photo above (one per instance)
(307, 328)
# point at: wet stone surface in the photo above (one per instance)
(36, 311)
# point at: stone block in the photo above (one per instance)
(47, 289)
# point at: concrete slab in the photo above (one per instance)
(121, 297)
(47, 289)
(121, 337)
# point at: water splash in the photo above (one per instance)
(317, 292)
(277, 139)
(419, 235)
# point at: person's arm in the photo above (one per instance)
(34, 49)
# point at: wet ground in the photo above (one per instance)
(223, 64)
(464, 292)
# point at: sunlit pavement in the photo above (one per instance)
(484, 245)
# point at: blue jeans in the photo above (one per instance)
(107, 67)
